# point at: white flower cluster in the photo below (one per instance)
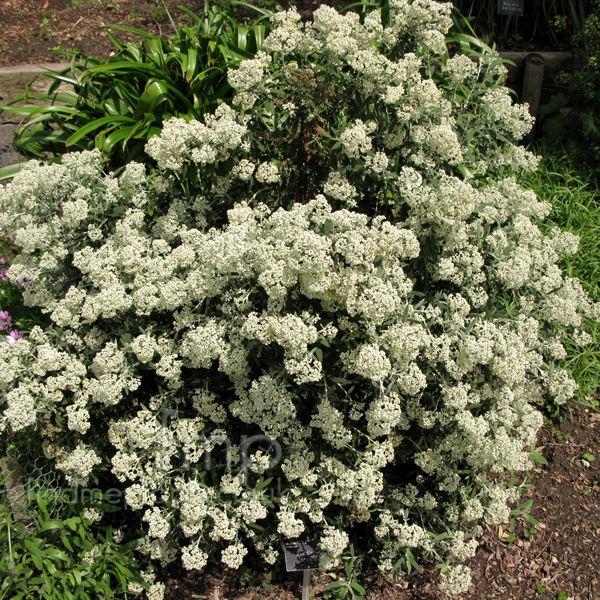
(267, 173)
(339, 188)
(202, 143)
(355, 138)
(248, 77)
(78, 464)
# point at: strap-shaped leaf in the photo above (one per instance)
(230, 51)
(192, 62)
(96, 124)
(125, 66)
(191, 14)
(156, 93)
(61, 76)
(123, 134)
(266, 13)
(27, 138)
(260, 33)
(10, 171)
(157, 53)
(129, 29)
(36, 110)
(204, 78)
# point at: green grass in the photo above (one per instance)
(574, 192)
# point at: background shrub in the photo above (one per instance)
(572, 118)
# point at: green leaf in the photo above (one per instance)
(131, 546)
(29, 138)
(37, 561)
(531, 519)
(191, 14)
(117, 211)
(525, 507)
(72, 522)
(156, 93)
(64, 97)
(59, 77)
(334, 585)
(260, 33)
(35, 110)
(128, 29)
(123, 134)
(109, 120)
(111, 67)
(263, 11)
(537, 458)
(10, 171)
(51, 525)
(412, 561)
(56, 553)
(359, 588)
(192, 61)
(230, 52)
(262, 484)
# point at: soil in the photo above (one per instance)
(557, 559)
(31, 29)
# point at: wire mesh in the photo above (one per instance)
(24, 478)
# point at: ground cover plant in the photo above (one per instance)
(329, 314)
(65, 557)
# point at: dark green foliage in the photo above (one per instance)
(64, 559)
(572, 117)
(545, 24)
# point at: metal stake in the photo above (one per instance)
(306, 573)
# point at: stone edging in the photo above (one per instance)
(13, 82)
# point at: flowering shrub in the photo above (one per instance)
(336, 283)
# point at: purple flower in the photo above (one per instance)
(5, 320)
(3, 260)
(3, 275)
(13, 336)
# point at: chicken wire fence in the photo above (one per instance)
(24, 479)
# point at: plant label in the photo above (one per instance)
(513, 8)
(300, 556)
